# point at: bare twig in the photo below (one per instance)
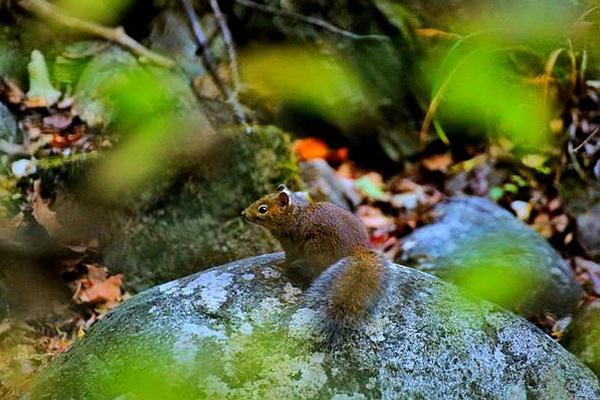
(235, 74)
(209, 63)
(202, 42)
(310, 20)
(53, 13)
(587, 139)
(575, 162)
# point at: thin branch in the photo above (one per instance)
(202, 42)
(587, 139)
(210, 65)
(117, 35)
(235, 74)
(310, 20)
(575, 162)
(12, 149)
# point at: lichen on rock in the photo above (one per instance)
(257, 341)
(486, 250)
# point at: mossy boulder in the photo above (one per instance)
(164, 197)
(583, 336)
(185, 222)
(485, 249)
(243, 331)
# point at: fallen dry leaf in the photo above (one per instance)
(373, 218)
(13, 92)
(338, 155)
(97, 287)
(560, 223)
(542, 225)
(310, 148)
(58, 121)
(522, 209)
(346, 170)
(554, 204)
(36, 102)
(438, 162)
(42, 213)
(59, 141)
(592, 270)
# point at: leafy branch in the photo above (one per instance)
(49, 11)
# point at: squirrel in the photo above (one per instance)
(327, 249)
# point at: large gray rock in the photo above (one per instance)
(582, 201)
(242, 331)
(486, 250)
(583, 336)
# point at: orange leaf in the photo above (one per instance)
(438, 162)
(310, 148)
(36, 102)
(100, 288)
(338, 155)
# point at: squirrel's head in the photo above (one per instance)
(271, 210)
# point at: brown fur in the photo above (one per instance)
(355, 286)
(316, 235)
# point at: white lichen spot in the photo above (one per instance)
(375, 330)
(271, 273)
(215, 388)
(290, 293)
(313, 375)
(371, 383)
(169, 287)
(248, 276)
(287, 377)
(516, 391)
(409, 245)
(154, 310)
(302, 323)
(352, 396)
(185, 348)
(212, 286)
(318, 358)
(246, 328)
(265, 310)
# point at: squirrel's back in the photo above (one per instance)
(338, 232)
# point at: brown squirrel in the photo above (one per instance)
(318, 237)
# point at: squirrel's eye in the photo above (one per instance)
(262, 209)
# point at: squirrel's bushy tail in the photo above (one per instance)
(350, 289)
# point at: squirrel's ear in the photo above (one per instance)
(284, 199)
(282, 188)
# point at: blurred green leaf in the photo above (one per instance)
(482, 88)
(370, 188)
(500, 270)
(105, 11)
(511, 188)
(40, 88)
(306, 78)
(496, 193)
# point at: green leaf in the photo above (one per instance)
(39, 81)
(370, 189)
(496, 193)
